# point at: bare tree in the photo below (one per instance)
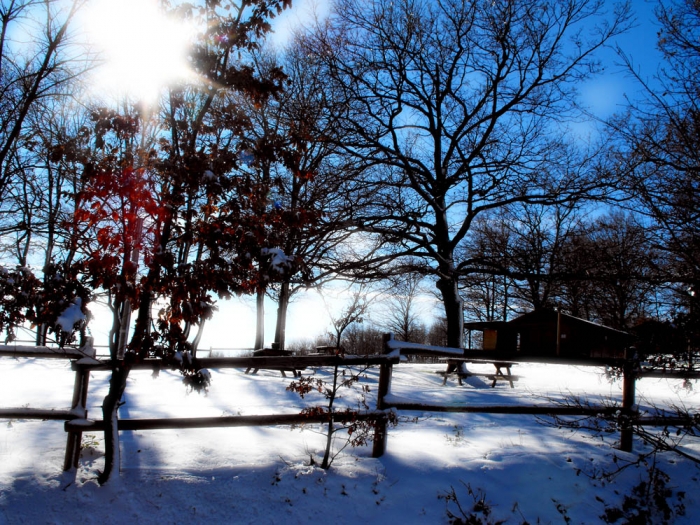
(552, 257)
(576, 294)
(487, 292)
(521, 250)
(41, 64)
(353, 311)
(363, 339)
(660, 154)
(455, 108)
(359, 431)
(402, 315)
(624, 274)
(58, 131)
(308, 179)
(33, 68)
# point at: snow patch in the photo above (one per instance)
(278, 259)
(71, 315)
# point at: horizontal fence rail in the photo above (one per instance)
(508, 409)
(38, 413)
(47, 352)
(226, 421)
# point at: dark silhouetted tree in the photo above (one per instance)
(199, 219)
(660, 155)
(452, 107)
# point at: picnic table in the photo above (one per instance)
(274, 352)
(455, 366)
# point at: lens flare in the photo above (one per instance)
(142, 49)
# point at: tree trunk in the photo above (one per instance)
(453, 304)
(110, 415)
(326, 463)
(505, 298)
(41, 334)
(260, 319)
(282, 304)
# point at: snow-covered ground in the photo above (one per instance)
(524, 470)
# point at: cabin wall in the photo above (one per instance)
(575, 341)
(536, 335)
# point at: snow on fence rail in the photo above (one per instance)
(391, 345)
(264, 362)
(86, 352)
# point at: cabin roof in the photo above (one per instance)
(539, 315)
(485, 325)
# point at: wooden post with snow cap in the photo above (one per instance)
(79, 403)
(385, 372)
(629, 379)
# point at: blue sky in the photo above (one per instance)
(606, 93)
(302, 13)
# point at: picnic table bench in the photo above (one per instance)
(454, 366)
(296, 372)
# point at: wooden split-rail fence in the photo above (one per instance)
(84, 361)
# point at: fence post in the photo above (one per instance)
(79, 407)
(380, 430)
(629, 380)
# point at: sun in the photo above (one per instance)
(142, 49)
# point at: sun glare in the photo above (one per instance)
(143, 50)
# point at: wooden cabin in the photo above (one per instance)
(551, 333)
